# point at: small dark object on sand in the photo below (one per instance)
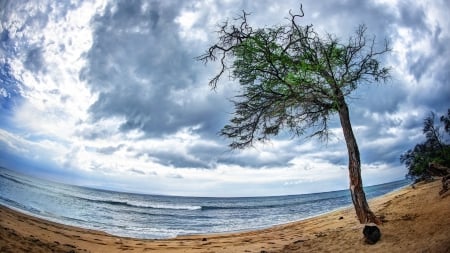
(372, 234)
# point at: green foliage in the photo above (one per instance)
(435, 148)
(446, 121)
(291, 77)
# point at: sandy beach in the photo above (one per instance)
(415, 220)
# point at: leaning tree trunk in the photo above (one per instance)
(365, 215)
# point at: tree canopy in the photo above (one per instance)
(291, 77)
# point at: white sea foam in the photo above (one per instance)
(150, 216)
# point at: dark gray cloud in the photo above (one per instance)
(421, 63)
(252, 160)
(170, 158)
(343, 17)
(143, 72)
(198, 155)
(109, 150)
(93, 133)
(137, 171)
(413, 16)
(382, 153)
(431, 66)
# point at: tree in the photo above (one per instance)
(446, 121)
(291, 78)
(432, 133)
(434, 150)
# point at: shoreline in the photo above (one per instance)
(415, 220)
(262, 227)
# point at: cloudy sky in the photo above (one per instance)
(108, 94)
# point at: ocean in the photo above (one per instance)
(157, 217)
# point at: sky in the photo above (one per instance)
(108, 94)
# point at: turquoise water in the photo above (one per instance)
(154, 216)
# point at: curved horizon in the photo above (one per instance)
(108, 94)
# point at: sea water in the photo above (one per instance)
(154, 216)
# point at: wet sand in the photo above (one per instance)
(415, 220)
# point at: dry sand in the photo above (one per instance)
(415, 220)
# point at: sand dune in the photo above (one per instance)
(415, 220)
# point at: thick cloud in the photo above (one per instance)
(143, 71)
(110, 90)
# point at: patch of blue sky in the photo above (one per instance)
(9, 88)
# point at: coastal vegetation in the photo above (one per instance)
(432, 156)
(292, 78)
